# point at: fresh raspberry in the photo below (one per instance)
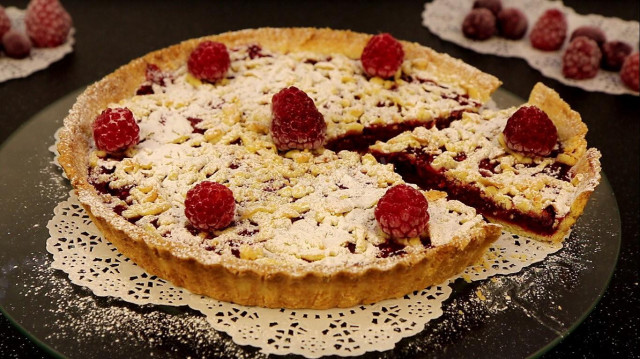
(592, 32)
(629, 72)
(48, 23)
(512, 23)
(209, 206)
(479, 24)
(16, 44)
(582, 58)
(530, 131)
(5, 22)
(382, 56)
(402, 212)
(115, 129)
(613, 54)
(296, 123)
(209, 61)
(495, 6)
(549, 31)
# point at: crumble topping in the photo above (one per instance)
(471, 151)
(310, 208)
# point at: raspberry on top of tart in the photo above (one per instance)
(528, 168)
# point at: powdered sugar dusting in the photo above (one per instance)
(314, 209)
(524, 183)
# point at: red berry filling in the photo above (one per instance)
(415, 166)
(153, 75)
(549, 31)
(115, 130)
(209, 61)
(209, 206)
(402, 212)
(296, 123)
(382, 56)
(530, 131)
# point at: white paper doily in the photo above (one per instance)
(444, 19)
(40, 58)
(79, 250)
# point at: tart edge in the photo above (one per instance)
(311, 290)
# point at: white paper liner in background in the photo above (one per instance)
(444, 19)
(79, 250)
(40, 58)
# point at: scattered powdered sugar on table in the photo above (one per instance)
(444, 19)
(40, 58)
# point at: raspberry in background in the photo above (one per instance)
(47, 23)
(115, 130)
(16, 44)
(550, 31)
(479, 24)
(512, 23)
(613, 54)
(382, 56)
(530, 131)
(495, 6)
(402, 212)
(209, 206)
(209, 61)
(5, 22)
(296, 122)
(629, 72)
(581, 59)
(592, 32)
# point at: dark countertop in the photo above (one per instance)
(111, 33)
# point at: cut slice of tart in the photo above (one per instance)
(303, 233)
(537, 187)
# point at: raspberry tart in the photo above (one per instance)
(526, 168)
(236, 166)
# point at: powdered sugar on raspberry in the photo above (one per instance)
(549, 31)
(382, 56)
(581, 60)
(47, 23)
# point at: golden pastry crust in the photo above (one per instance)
(584, 163)
(248, 282)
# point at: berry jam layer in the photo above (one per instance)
(360, 141)
(417, 169)
(470, 162)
